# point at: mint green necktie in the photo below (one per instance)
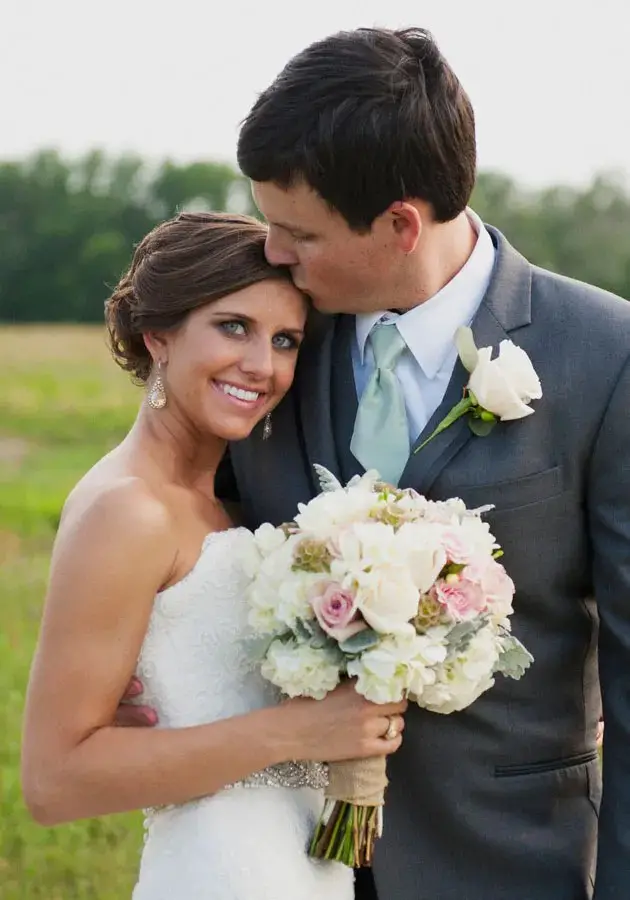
(381, 436)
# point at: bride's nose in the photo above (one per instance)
(257, 361)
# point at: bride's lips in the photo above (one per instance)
(227, 390)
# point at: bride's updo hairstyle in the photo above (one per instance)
(183, 264)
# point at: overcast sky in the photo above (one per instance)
(549, 79)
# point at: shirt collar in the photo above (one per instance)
(429, 328)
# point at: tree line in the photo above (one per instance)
(68, 227)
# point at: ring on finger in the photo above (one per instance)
(392, 732)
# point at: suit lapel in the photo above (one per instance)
(506, 307)
(313, 378)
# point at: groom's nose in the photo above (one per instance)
(279, 251)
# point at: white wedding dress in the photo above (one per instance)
(249, 841)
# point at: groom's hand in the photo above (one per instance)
(132, 715)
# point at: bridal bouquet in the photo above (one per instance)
(402, 594)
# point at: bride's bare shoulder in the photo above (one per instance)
(113, 505)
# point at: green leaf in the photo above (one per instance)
(310, 631)
(515, 658)
(459, 637)
(460, 409)
(480, 427)
(361, 641)
(301, 631)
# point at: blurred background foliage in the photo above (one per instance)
(68, 226)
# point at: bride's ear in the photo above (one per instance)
(156, 344)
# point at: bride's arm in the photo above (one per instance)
(107, 567)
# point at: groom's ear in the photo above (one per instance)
(406, 222)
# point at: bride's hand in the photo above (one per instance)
(344, 725)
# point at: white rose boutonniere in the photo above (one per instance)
(499, 389)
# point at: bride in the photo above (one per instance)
(145, 579)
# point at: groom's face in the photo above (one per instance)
(340, 269)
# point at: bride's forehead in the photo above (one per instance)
(269, 302)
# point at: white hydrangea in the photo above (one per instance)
(278, 561)
(262, 597)
(267, 538)
(300, 670)
(327, 513)
(293, 597)
(386, 673)
(462, 680)
(443, 512)
(250, 556)
(478, 537)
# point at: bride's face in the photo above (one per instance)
(233, 360)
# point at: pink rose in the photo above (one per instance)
(456, 548)
(497, 586)
(462, 599)
(336, 611)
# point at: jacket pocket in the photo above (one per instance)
(551, 765)
(513, 494)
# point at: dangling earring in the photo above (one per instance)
(267, 428)
(156, 397)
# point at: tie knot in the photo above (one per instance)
(387, 345)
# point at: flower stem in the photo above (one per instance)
(348, 835)
(460, 409)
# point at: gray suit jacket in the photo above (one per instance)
(501, 801)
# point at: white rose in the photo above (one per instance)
(387, 599)
(301, 671)
(504, 385)
(364, 545)
(423, 550)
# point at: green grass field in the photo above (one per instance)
(63, 403)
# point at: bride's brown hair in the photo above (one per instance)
(183, 264)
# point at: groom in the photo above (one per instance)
(362, 159)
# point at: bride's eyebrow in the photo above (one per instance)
(232, 315)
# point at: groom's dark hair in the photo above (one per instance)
(366, 118)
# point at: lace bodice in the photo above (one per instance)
(196, 662)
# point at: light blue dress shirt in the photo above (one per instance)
(425, 367)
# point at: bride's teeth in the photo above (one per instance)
(240, 393)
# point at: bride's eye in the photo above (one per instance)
(233, 327)
(284, 342)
